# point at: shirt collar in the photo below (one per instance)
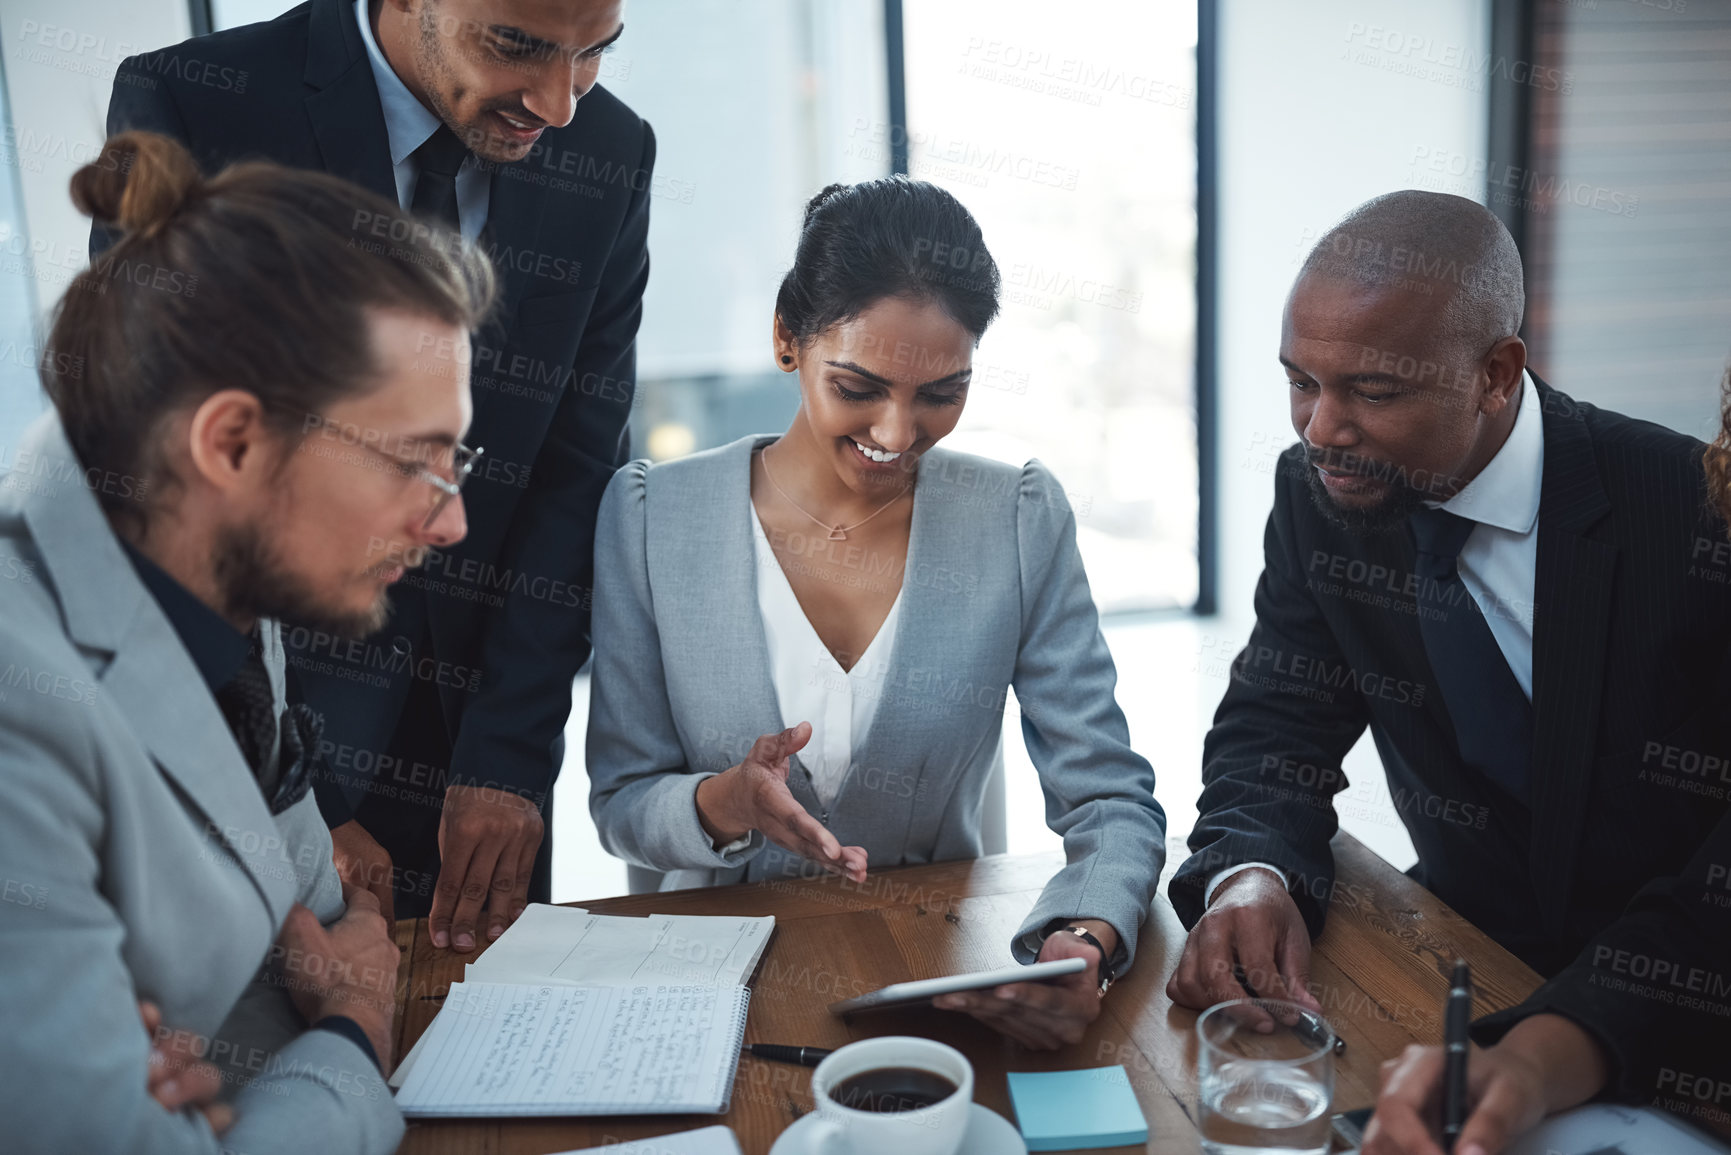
(1506, 491)
(408, 124)
(217, 648)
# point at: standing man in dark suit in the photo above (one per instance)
(1525, 598)
(444, 731)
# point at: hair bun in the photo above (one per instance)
(137, 183)
(829, 193)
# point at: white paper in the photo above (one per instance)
(401, 1074)
(569, 946)
(1605, 1127)
(500, 1049)
(703, 1141)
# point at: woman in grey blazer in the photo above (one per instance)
(804, 643)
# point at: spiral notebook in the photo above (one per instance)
(546, 1049)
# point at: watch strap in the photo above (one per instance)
(1103, 972)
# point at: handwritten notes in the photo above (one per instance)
(549, 1049)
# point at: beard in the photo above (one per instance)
(254, 582)
(431, 54)
(1389, 513)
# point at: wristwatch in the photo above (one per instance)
(1104, 973)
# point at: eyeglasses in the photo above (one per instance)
(444, 488)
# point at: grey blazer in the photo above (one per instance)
(139, 860)
(993, 595)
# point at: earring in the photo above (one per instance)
(787, 360)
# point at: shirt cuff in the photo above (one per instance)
(350, 1030)
(1222, 876)
(737, 845)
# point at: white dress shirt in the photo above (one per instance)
(810, 685)
(408, 124)
(1499, 562)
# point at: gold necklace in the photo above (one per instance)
(836, 532)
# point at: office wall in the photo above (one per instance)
(1323, 105)
(60, 62)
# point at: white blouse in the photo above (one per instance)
(810, 685)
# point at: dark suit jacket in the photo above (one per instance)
(506, 612)
(1611, 882)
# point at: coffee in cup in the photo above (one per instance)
(906, 1095)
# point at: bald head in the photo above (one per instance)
(1437, 248)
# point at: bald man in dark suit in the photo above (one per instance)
(1518, 594)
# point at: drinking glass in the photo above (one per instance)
(1266, 1072)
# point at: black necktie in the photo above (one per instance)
(1492, 718)
(438, 159)
(249, 706)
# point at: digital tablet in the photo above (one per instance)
(925, 990)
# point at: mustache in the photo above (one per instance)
(520, 114)
(1339, 461)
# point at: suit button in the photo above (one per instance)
(400, 644)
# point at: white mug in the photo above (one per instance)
(933, 1130)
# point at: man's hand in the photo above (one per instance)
(1050, 1015)
(364, 865)
(487, 844)
(754, 796)
(1544, 1064)
(349, 969)
(1252, 925)
(179, 1077)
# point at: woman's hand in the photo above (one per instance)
(1044, 1016)
(754, 796)
(1544, 1064)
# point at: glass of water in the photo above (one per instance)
(1267, 1078)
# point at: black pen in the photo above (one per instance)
(776, 1053)
(1308, 1030)
(1456, 1012)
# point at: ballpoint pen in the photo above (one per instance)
(776, 1053)
(1456, 1012)
(1309, 1031)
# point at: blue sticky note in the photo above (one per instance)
(1074, 1110)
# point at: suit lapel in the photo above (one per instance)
(347, 118)
(187, 736)
(151, 679)
(1571, 628)
(711, 563)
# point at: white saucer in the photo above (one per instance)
(988, 1133)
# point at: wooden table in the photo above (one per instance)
(1380, 971)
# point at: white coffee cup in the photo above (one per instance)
(933, 1130)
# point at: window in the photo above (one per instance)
(756, 105)
(1622, 199)
(21, 397)
(1072, 139)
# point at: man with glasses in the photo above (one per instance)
(185, 971)
(444, 731)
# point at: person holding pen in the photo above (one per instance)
(1519, 595)
(804, 642)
